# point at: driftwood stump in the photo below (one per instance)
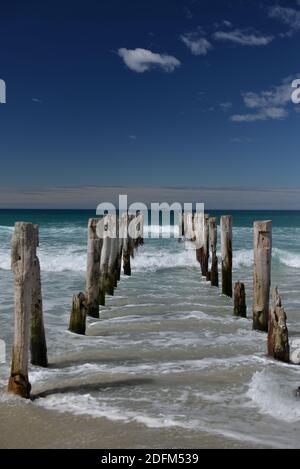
(240, 308)
(278, 335)
(78, 315)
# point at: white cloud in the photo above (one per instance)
(226, 106)
(142, 60)
(133, 137)
(287, 15)
(267, 105)
(244, 37)
(197, 45)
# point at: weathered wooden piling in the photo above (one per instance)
(94, 248)
(205, 253)
(278, 335)
(22, 260)
(199, 236)
(127, 250)
(38, 347)
(213, 233)
(77, 323)
(105, 254)
(226, 250)
(112, 266)
(262, 274)
(240, 307)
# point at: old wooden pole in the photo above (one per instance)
(278, 335)
(214, 276)
(226, 250)
(105, 254)
(94, 248)
(262, 274)
(127, 251)
(22, 259)
(38, 347)
(205, 254)
(77, 323)
(112, 265)
(240, 308)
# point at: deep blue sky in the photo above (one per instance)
(77, 115)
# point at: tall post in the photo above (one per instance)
(226, 250)
(105, 253)
(262, 274)
(38, 347)
(213, 234)
(127, 250)
(22, 259)
(94, 248)
(205, 254)
(112, 261)
(278, 335)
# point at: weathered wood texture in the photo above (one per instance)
(213, 234)
(77, 323)
(38, 347)
(24, 242)
(278, 335)
(240, 307)
(205, 253)
(105, 255)
(226, 252)
(94, 248)
(262, 274)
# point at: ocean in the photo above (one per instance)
(166, 354)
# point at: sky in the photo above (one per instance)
(149, 93)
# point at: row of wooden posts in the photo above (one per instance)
(271, 319)
(104, 261)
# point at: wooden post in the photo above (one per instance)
(262, 274)
(278, 335)
(22, 259)
(122, 234)
(240, 308)
(199, 236)
(127, 251)
(226, 249)
(205, 254)
(105, 254)
(94, 248)
(77, 323)
(213, 233)
(112, 263)
(38, 347)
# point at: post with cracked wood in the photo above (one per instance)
(262, 274)
(23, 249)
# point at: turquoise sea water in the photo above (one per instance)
(199, 368)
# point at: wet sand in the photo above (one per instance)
(28, 426)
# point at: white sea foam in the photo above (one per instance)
(273, 395)
(163, 259)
